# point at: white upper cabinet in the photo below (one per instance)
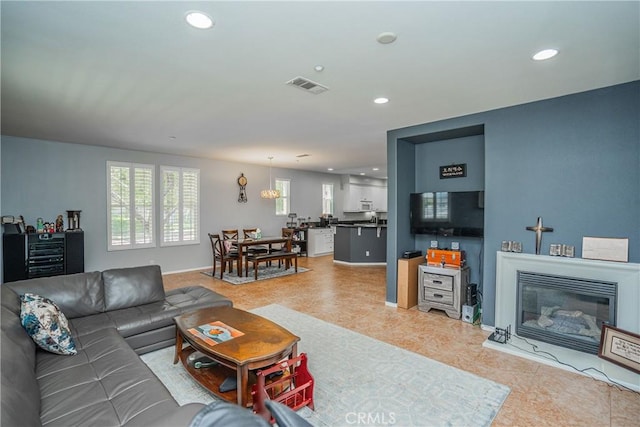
(357, 192)
(379, 198)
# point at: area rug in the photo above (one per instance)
(264, 272)
(360, 380)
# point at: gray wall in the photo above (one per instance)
(573, 160)
(46, 178)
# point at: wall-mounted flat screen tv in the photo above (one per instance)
(441, 213)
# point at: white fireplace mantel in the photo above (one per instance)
(626, 275)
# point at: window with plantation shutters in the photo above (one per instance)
(283, 202)
(327, 199)
(180, 192)
(130, 209)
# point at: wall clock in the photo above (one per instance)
(242, 182)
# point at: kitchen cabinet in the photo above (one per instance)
(379, 198)
(319, 241)
(356, 193)
(352, 197)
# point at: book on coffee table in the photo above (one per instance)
(215, 332)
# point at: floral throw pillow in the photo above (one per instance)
(46, 324)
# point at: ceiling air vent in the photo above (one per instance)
(307, 85)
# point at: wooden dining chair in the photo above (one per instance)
(221, 254)
(230, 234)
(258, 249)
(288, 232)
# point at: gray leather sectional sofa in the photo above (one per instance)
(113, 315)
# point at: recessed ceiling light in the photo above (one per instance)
(381, 100)
(329, 169)
(362, 173)
(545, 54)
(386, 37)
(318, 68)
(199, 20)
(376, 169)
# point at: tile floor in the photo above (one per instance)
(354, 297)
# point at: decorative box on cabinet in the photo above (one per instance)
(408, 281)
(442, 289)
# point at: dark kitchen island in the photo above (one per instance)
(360, 244)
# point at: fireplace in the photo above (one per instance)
(625, 311)
(565, 311)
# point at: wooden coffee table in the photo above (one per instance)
(264, 343)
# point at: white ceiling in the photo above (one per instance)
(135, 75)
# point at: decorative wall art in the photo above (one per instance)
(453, 171)
(242, 182)
(620, 347)
(606, 249)
(539, 229)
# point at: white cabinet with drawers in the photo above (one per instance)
(442, 289)
(320, 241)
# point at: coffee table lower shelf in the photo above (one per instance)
(261, 344)
(211, 378)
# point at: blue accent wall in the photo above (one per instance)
(573, 160)
(401, 173)
(429, 156)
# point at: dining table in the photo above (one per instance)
(247, 242)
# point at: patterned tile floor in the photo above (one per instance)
(354, 298)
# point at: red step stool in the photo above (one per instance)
(294, 388)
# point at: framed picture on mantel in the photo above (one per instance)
(620, 347)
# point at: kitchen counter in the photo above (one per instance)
(363, 224)
(360, 243)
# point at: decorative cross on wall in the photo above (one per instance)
(539, 229)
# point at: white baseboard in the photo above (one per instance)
(187, 270)
(360, 264)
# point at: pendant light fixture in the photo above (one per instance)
(270, 193)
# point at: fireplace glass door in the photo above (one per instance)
(564, 311)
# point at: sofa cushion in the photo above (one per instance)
(46, 324)
(195, 297)
(20, 391)
(106, 383)
(77, 295)
(148, 317)
(10, 300)
(130, 287)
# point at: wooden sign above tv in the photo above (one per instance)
(453, 171)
